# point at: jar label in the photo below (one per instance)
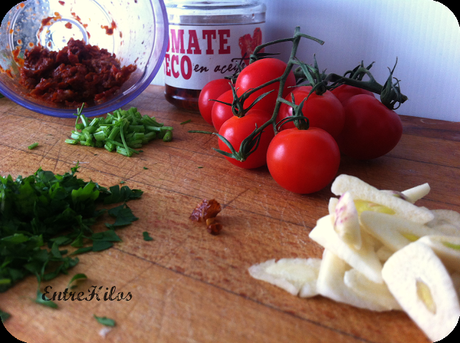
(199, 54)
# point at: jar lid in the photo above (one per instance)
(215, 12)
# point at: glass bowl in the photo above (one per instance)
(135, 31)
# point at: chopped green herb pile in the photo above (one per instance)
(123, 131)
(44, 211)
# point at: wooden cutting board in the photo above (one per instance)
(187, 285)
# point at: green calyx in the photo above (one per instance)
(390, 93)
(300, 121)
(313, 76)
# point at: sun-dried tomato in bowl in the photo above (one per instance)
(79, 73)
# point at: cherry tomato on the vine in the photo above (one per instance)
(303, 161)
(258, 73)
(324, 111)
(222, 112)
(236, 129)
(371, 129)
(212, 90)
(345, 92)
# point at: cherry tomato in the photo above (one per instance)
(324, 111)
(211, 91)
(258, 73)
(221, 112)
(303, 161)
(345, 92)
(236, 129)
(371, 129)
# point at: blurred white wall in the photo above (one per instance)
(423, 34)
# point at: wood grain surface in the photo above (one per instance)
(188, 285)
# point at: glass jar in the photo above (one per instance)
(208, 40)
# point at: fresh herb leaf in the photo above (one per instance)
(64, 264)
(123, 214)
(5, 281)
(105, 321)
(82, 250)
(4, 316)
(122, 194)
(55, 251)
(101, 245)
(108, 235)
(42, 299)
(76, 277)
(147, 236)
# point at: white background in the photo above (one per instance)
(423, 34)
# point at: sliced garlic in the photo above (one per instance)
(446, 221)
(295, 275)
(416, 193)
(394, 232)
(346, 221)
(447, 248)
(363, 191)
(423, 287)
(365, 259)
(331, 284)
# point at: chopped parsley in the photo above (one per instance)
(4, 316)
(105, 321)
(146, 236)
(43, 212)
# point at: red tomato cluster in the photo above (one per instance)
(235, 129)
(346, 120)
(371, 129)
